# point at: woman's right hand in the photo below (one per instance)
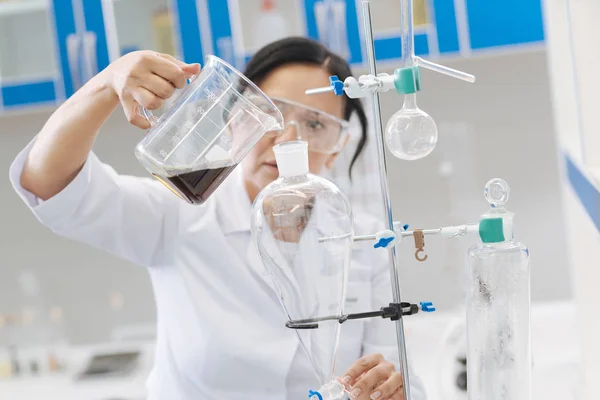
(147, 78)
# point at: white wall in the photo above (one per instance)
(503, 125)
(574, 58)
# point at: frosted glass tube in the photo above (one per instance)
(454, 73)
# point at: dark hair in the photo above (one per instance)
(307, 51)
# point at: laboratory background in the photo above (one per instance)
(76, 323)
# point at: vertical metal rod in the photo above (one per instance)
(385, 194)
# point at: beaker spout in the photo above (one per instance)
(273, 124)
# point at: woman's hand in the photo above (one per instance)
(147, 78)
(64, 143)
(372, 377)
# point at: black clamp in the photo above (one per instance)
(394, 312)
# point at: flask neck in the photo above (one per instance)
(292, 158)
(500, 245)
(410, 101)
(496, 226)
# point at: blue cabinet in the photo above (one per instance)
(35, 68)
(495, 23)
(318, 22)
(123, 26)
(49, 48)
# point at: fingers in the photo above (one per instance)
(390, 389)
(361, 366)
(168, 70)
(376, 377)
(191, 69)
(140, 97)
(148, 78)
(147, 99)
(158, 86)
(172, 59)
(130, 107)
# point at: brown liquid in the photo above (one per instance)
(196, 187)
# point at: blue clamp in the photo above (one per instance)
(312, 393)
(405, 227)
(336, 85)
(383, 242)
(427, 306)
(385, 238)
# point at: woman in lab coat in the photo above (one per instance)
(221, 332)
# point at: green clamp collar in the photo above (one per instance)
(491, 230)
(407, 80)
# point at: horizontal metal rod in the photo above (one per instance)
(363, 238)
(319, 90)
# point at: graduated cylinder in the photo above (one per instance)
(498, 307)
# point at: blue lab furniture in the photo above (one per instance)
(478, 26)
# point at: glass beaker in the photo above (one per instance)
(207, 130)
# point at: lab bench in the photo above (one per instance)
(106, 372)
(436, 348)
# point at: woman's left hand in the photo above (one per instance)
(372, 377)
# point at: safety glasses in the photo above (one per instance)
(323, 132)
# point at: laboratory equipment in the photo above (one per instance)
(303, 228)
(288, 217)
(498, 307)
(365, 86)
(498, 298)
(411, 133)
(208, 129)
(407, 81)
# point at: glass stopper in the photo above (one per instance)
(496, 192)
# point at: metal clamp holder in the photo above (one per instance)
(393, 312)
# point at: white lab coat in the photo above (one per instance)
(221, 328)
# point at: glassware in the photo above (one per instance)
(411, 133)
(288, 218)
(498, 307)
(206, 131)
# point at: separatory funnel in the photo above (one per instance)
(288, 218)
